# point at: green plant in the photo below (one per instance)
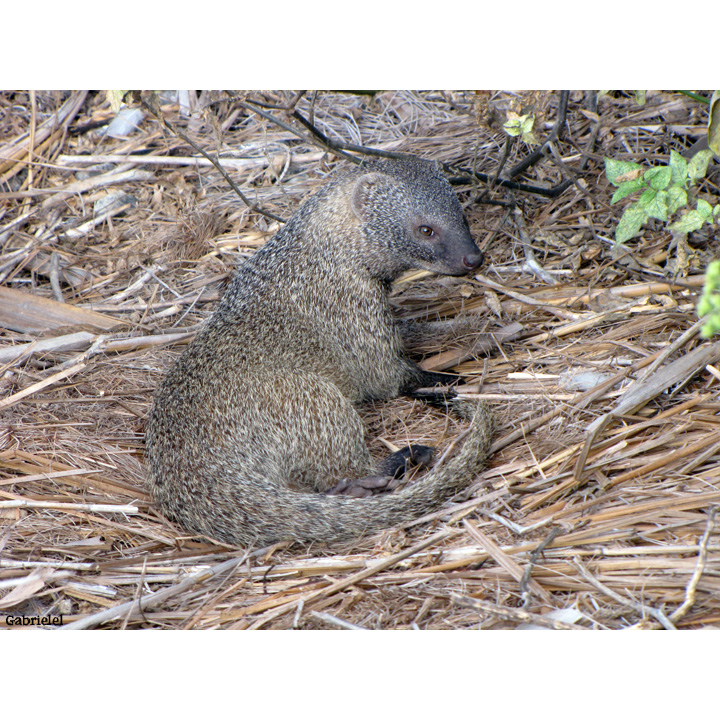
(709, 303)
(521, 126)
(664, 192)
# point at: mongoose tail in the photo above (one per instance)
(244, 511)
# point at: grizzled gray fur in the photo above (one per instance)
(256, 420)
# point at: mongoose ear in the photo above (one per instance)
(365, 187)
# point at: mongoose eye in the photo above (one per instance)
(426, 230)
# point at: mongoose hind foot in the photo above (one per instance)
(391, 470)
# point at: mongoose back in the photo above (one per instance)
(256, 420)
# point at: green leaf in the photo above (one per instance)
(647, 198)
(659, 177)
(691, 220)
(678, 168)
(709, 303)
(657, 207)
(676, 198)
(630, 223)
(627, 188)
(704, 209)
(697, 167)
(517, 125)
(711, 327)
(615, 170)
(640, 96)
(654, 203)
(712, 276)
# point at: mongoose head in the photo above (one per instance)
(409, 209)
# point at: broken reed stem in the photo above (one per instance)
(507, 562)
(340, 585)
(41, 385)
(512, 614)
(338, 622)
(523, 298)
(147, 601)
(659, 615)
(85, 507)
(534, 556)
(672, 348)
(699, 568)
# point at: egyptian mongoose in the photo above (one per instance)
(256, 420)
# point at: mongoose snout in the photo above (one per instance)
(450, 242)
(473, 260)
(257, 419)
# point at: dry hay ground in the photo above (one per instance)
(114, 249)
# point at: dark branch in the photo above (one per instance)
(156, 112)
(467, 177)
(555, 134)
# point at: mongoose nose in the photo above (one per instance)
(473, 260)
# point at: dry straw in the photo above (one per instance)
(598, 509)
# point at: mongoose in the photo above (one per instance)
(256, 420)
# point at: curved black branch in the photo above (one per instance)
(555, 134)
(342, 148)
(323, 140)
(287, 107)
(468, 176)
